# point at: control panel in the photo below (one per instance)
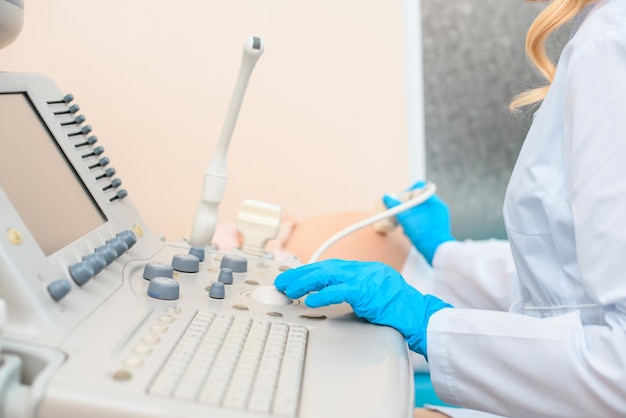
(105, 319)
(64, 217)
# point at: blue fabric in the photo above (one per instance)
(424, 391)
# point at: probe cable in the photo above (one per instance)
(419, 197)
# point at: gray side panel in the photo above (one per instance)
(474, 63)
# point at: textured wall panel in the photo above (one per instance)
(474, 63)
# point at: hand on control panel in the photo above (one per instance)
(375, 291)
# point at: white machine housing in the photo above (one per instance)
(69, 338)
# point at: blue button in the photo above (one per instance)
(59, 288)
(163, 288)
(81, 272)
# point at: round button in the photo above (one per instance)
(128, 236)
(225, 276)
(166, 319)
(236, 263)
(108, 252)
(59, 288)
(269, 295)
(217, 290)
(138, 230)
(197, 251)
(163, 288)
(152, 270)
(122, 375)
(186, 263)
(151, 339)
(314, 317)
(173, 310)
(159, 329)
(119, 244)
(81, 272)
(97, 262)
(142, 350)
(15, 237)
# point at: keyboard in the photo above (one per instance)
(236, 362)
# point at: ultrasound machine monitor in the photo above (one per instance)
(104, 319)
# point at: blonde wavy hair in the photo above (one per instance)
(555, 15)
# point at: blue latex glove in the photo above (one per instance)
(375, 291)
(427, 225)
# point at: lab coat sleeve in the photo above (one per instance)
(516, 365)
(519, 366)
(475, 274)
(595, 163)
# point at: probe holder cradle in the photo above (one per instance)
(258, 222)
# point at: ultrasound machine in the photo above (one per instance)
(101, 318)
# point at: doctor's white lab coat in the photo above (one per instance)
(560, 350)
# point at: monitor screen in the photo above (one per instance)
(39, 180)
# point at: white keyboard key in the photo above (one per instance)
(238, 363)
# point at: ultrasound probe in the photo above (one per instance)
(215, 175)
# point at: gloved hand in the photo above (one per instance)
(375, 291)
(427, 225)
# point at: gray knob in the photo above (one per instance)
(97, 261)
(108, 252)
(225, 276)
(186, 263)
(216, 291)
(81, 272)
(236, 263)
(109, 172)
(103, 161)
(119, 244)
(59, 288)
(197, 251)
(152, 270)
(115, 183)
(119, 195)
(163, 288)
(89, 141)
(128, 236)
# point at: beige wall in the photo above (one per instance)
(323, 127)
